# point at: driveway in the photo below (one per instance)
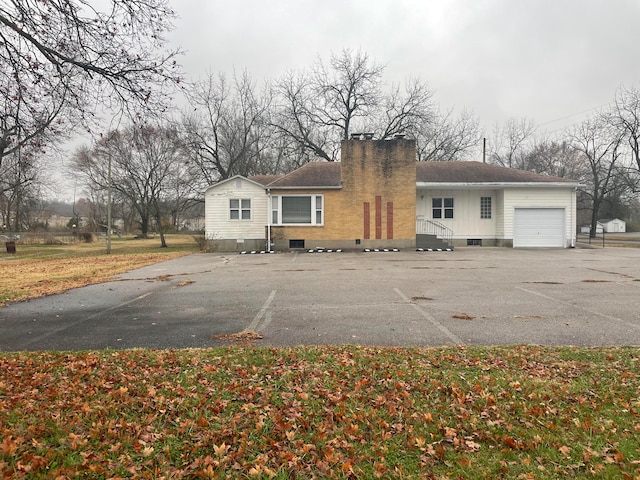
(471, 296)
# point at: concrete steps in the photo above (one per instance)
(426, 241)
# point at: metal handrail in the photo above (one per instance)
(432, 227)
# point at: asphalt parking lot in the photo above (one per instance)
(471, 296)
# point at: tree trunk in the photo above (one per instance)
(144, 226)
(594, 218)
(163, 241)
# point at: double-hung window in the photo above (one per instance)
(240, 209)
(297, 210)
(442, 207)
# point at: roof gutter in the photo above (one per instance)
(315, 187)
(479, 185)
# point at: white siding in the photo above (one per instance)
(468, 224)
(219, 226)
(541, 198)
(615, 226)
(466, 221)
(500, 214)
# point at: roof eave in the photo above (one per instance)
(318, 187)
(498, 184)
(235, 177)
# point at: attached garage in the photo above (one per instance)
(539, 227)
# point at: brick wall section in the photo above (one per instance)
(381, 173)
(378, 217)
(367, 220)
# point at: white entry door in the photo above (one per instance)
(538, 227)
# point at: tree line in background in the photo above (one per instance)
(63, 57)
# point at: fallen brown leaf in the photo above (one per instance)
(463, 316)
(244, 336)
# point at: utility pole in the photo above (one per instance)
(484, 150)
(109, 205)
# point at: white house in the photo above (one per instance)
(236, 213)
(492, 205)
(614, 225)
(379, 196)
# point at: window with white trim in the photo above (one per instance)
(297, 210)
(485, 207)
(442, 208)
(274, 210)
(240, 208)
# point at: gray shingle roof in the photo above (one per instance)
(476, 172)
(313, 174)
(327, 174)
(264, 179)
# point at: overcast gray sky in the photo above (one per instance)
(541, 59)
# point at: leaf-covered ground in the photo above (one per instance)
(337, 412)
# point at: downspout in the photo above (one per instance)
(573, 220)
(269, 209)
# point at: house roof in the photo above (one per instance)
(476, 172)
(327, 175)
(235, 177)
(310, 175)
(607, 220)
(264, 179)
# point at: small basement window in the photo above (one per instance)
(474, 242)
(296, 243)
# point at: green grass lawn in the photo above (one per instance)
(322, 412)
(37, 270)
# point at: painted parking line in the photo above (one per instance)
(253, 326)
(67, 326)
(454, 338)
(588, 310)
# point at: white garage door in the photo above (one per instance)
(538, 227)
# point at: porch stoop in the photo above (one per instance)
(426, 241)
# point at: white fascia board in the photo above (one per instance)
(275, 189)
(489, 185)
(235, 177)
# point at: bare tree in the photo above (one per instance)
(556, 158)
(345, 90)
(30, 116)
(19, 184)
(326, 104)
(448, 137)
(626, 117)
(404, 111)
(229, 131)
(598, 143)
(298, 121)
(59, 57)
(144, 161)
(510, 142)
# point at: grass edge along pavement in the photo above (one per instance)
(39, 270)
(339, 412)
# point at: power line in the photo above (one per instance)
(573, 114)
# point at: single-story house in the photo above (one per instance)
(613, 225)
(379, 196)
(587, 228)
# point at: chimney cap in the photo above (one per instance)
(362, 136)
